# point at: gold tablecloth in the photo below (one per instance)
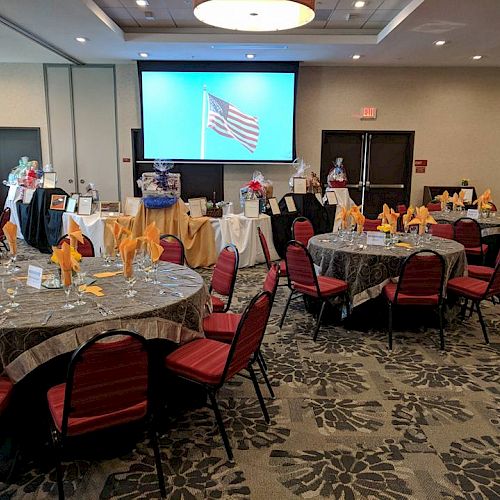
(126, 221)
(197, 234)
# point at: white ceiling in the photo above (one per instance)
(385, 33)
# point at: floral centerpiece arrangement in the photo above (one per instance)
(161, 188)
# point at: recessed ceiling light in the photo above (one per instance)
(439, 43)
(250, 56)
(359, 4)
(143, 54)
(81, 39)
(142, 3)
(476, 58)
(356, 56)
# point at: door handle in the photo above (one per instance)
(82, 181)
(367, 185)
(387, 186)
(70, 181)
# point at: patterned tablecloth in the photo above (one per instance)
(489, 225)
(369, 269)
(26, 342)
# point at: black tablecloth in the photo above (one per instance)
(41, 227)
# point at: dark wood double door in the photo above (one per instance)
(378, 166)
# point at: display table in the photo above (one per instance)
(242, 232)
(13, 204)
(99, 229)
(368, 269)
(489, 225)
(26, 342)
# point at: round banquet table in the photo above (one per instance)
(489, 225)
(368, 268)
(28, 340)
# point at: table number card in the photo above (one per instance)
(34, 277)
(290, 204)
(375, 238)
(473, 213)
(275, 208)
(252, 209)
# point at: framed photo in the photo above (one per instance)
(49, 180)
(299, 185)
(331, 197)
(203, 203)
(84, 205)
(290, 204)
(71, 206)
(28, 194)
(58, 202)
(252, 209)
(275, 208)
(109, 208)
(195, 209)
(132, 206)
(468, 194)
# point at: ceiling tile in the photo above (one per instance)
(375, 25)
(108, 3)
(384, 15)
(394, 4)
(118, 13)
(349, 5)
(184, 18)
(338, 19)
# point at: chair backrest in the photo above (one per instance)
(85, 249)
(300, 266)
(173, 249)
(442, 230)
(433, 207)
(272, 280)
(302, 230)
(371, 225)
(224, 275)
(422, 274)
(105, 377)
(249, 334)
(468, 232)
(265, 248)
(494, 284)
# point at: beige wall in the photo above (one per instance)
(455, 114)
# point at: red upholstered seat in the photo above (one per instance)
(283, 270)
(267, 253)
(470, 288)
(409, 300)
(327, 286)
(224, 277)
(468, 233)
(173, 249)
(302, 230)
(442, 231)
(480, 250)
(85, 249)
(480, 272)
(6, 387)
(218, 304)
(221, 326)
(371, 224)
(434, 207)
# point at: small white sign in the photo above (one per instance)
(195, 210)
(473, 213)
(34, 277)
(252, 209)
(275, 208)
(375, 238)
(299, 185)
(290, 204)
(331, 197)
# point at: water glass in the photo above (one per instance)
(12, 291)
(106, 255)
(79, 288)
(130, 281)
(67, 291)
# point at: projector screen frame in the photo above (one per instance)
(223, 66)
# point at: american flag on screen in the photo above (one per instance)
(229, 121)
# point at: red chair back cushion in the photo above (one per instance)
(271, 281)
(299, 266)
(85, 249)
(468, 233)
(434, 207)
(224, 272)
(422, 276)
(265, 248)
(303, 231)
(172, 251)
(494, 286)
(442, 231)
(371, 225)
(108, 377)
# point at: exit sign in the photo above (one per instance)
(369, 113)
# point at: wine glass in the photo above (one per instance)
(154, 268)
(67, 291)
(13, 259)
(12, 291)
(6, 262)
(106, 255)
(80, 288)
(130, 281)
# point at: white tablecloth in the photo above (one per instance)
(13, 210)
(91, 226)
(242, 232)
(343, 200)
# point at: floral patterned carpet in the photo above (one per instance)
(351, 420)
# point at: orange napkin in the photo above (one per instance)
(457, 202)
(360, 222)
(407, 217)
(93, 289)
(155, 250)
(483, 201)
(107, 274)
(152, 233)
(10, 231)
(74, 233)
(392, 220)
(402, 244)
(422, 218)
(343, 216)
(444, 198)
(385, 214)
(127, 251)
(66, 262)
(119, 233)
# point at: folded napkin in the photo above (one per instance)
(457, 202)
(66, 262)
(392, 220)
(107, 274)
(384, 215)
(152, 239)
(483, 201)
(444, 198)
(422, 218)
(343, 216)
(75, 233)
(127, 251)
(407, 217)
(152, 233)
(360, 222)
(10, 231)
(93, 289)
(403, 245)
(155, 251)
(119, 233)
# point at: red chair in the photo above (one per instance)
(476, 291)
(224, 277)
(8, 466)
(468, 233)
(223, 326)
(482, 272)
(4, 218)
(6, 387)
(433, 207)
(302, 230)
(211, 363)
(420, 284)
(85, 249)
(302, 279)
(267, 254)
(442, 231)
(371, 225)
(108, 385)
(173, 249)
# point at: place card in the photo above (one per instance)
(49, 180)
(331, 197)
(375, 238)
(132, 206)
(195, 209)
(35, 275)
(319, 198)
(84, 205)
(71, 205)
(252, 209)
(290, 204)
(299, 185)
(275, 208)
(473, 213)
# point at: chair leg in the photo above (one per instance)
(441, 329)
(57, 447)
(318, 322)
(264, 374)
(220, 424)
(259, 394)
(389, 331)
(483, 325)
(286, 309)
(463, 309)
(347, 301)
(153, 437)
(263, 361)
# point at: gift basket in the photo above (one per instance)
(26, 174)
(160, 189)
(337, 177)
(258, 188)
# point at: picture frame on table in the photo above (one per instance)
(299, 185)
(331, 198)
(252, 209)
(468, 194)
(84, 205)
(58, 202)
(203, 203)
(290, 204)
(132, 205)
(275, 208)
(71, 205)
(28, 195)
(49, 180)
(195, 208)
(109, 208)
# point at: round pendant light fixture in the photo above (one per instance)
(255, 15)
